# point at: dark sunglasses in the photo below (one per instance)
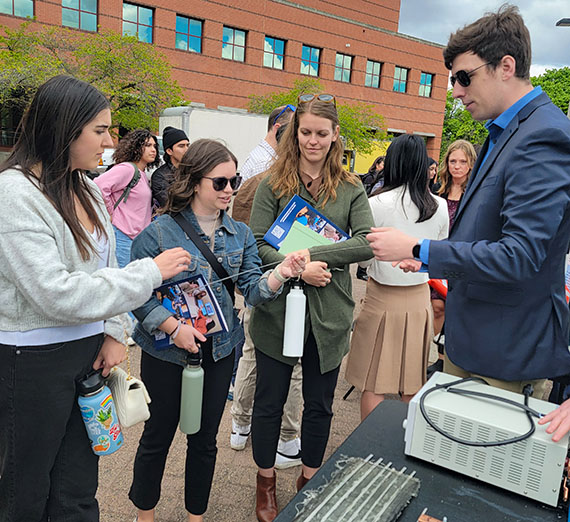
(221, 183)
(290, 107)
(326, 98)
(464, 77)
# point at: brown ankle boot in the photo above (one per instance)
(301, 481)
(266, 501)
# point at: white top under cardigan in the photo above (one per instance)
(45, 283)
(389, 210)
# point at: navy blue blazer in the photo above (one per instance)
(506, 315)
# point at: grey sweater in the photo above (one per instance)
(43, 280)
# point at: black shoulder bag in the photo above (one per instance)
(128, 188)
(206, 252)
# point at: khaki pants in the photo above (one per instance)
(244, 390)
(539, 385)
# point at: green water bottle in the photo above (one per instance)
(191, 394)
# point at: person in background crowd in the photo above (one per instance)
(175, 143)
(62, 302)
(126, 189)
(432, 175)
(506, 319)
(289, 446)
(374, 178)
(201, 192)
(262, 156)
(308, 163)
(454, 175)
(392, 335)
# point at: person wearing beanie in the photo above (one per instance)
(175, 143)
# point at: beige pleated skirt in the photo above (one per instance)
(391, 339)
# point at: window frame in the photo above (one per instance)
(342, 69)
(233, 44)
(425, 86)
(273, 54)
(310, 60)
(138, 23)
(81, 12)
(13, 13)
(188, 34)
(399, 80)
(373, 75)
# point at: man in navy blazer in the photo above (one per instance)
(506, 315)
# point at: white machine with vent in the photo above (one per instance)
(532, 468)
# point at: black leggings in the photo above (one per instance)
(272, 387)
(163, 381)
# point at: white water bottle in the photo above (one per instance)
(294, 332)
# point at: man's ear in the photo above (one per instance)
(507, 67)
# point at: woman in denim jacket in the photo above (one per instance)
(201, 192)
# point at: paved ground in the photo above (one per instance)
(233, 489)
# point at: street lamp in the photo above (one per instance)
(563, 22)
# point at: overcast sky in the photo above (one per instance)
(435, 20)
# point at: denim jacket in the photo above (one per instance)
(235, 249)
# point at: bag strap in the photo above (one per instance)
(132, 183)
(206, 252)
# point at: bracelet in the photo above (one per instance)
(175, 331)
(278, 275)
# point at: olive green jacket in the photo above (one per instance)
(330, 308)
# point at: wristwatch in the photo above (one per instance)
(416, 251)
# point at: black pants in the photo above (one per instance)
(47, 467)
(272, 387)
(163, 381)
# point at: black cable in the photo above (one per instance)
(449, 388)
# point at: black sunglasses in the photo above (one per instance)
(464, 77)
(221, 183)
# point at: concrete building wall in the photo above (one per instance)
(363, 29)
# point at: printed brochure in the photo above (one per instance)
(192, 301)
(302, 226)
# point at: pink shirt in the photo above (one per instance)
(134, 215)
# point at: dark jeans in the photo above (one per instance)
(163, 381)
(272, 387)
(47, 467)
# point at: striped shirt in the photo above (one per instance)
(258, 161)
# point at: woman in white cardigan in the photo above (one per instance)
(60, 296)
(392, 335)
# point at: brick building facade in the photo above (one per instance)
(221, 52)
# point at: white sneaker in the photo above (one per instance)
(238, 438)
(288, 454)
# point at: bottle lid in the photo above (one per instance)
(91, 383)
(194, 359)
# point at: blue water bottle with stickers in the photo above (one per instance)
(99, 414)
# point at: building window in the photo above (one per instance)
(310, 60)
(188, 34)
(273, 52)
(342, 67)
(137, 21)
(425, 84)
(373, 70)
(233, 44)
(80, 14)
(400, 79)
(23, 8)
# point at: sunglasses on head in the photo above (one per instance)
(464, 77)
(326, 98)
(290, 107)
(221, 183)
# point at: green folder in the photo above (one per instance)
(301, 236)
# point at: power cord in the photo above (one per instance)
(449, 387)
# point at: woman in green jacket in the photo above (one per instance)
(309, 164)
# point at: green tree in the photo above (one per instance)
(459, 124)
(360, 126)
(555, 83)
(133, 75)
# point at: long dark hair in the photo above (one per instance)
(60, 110)
(201, 157)
(131, 147)
(406, 164)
